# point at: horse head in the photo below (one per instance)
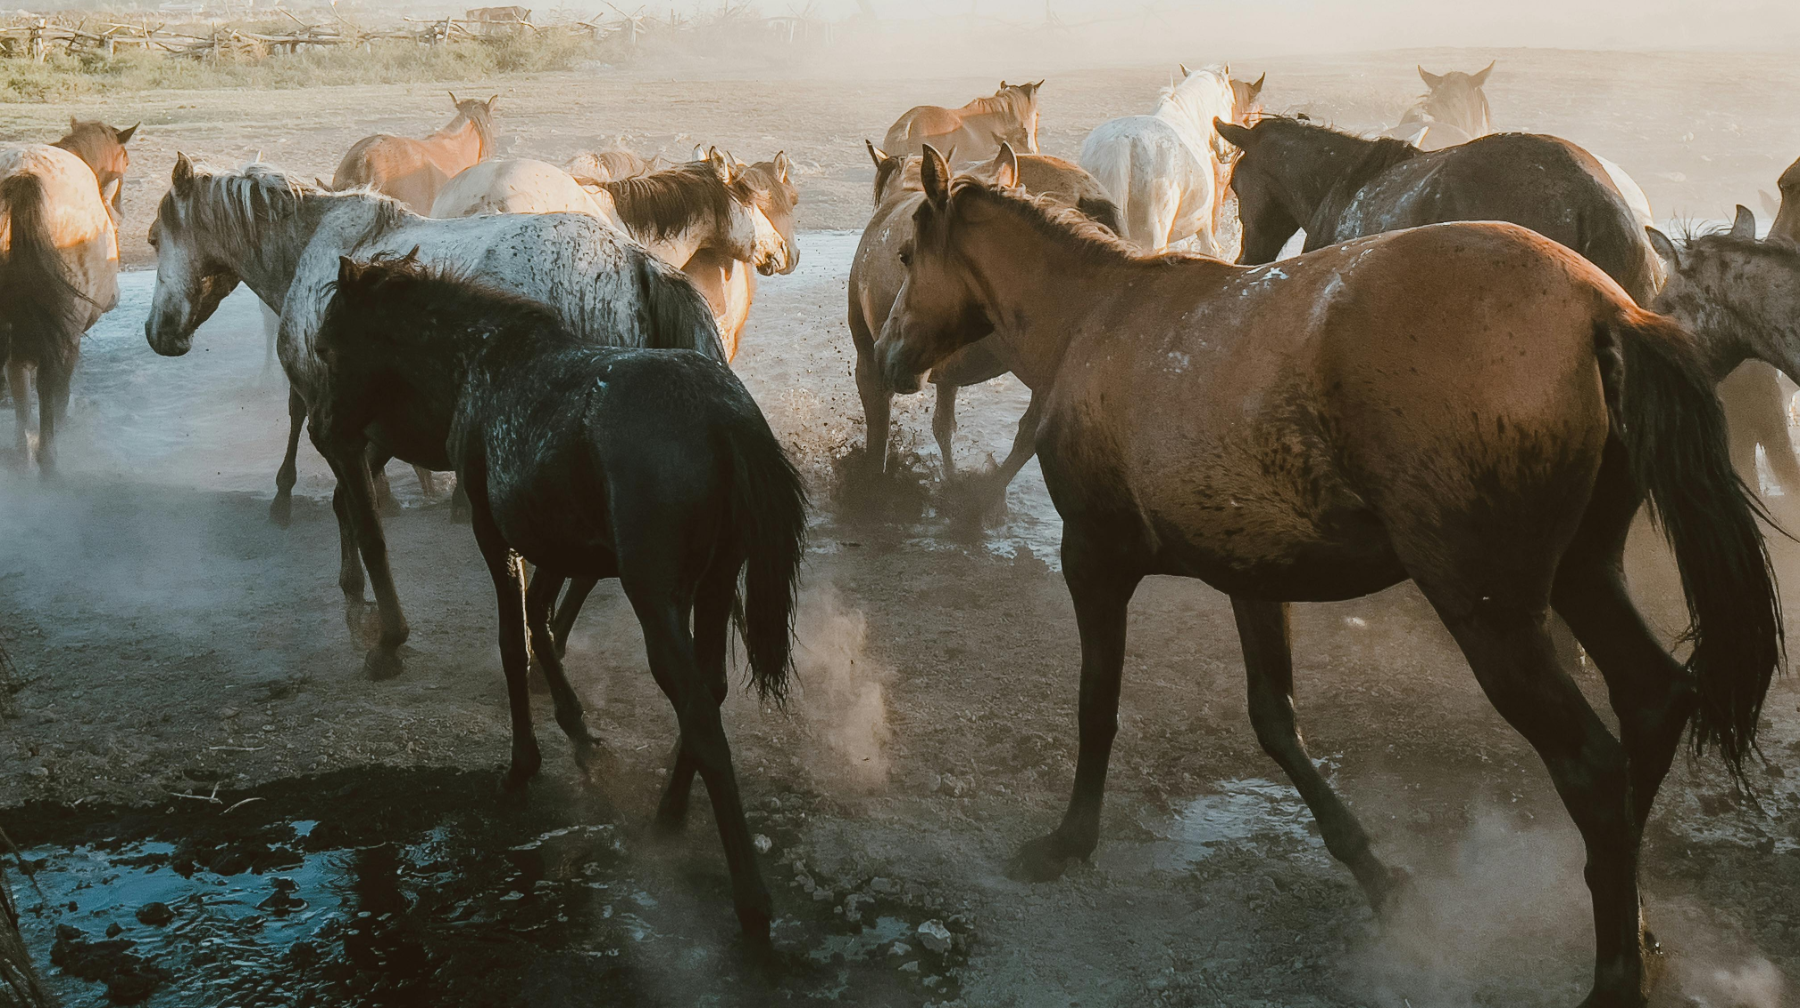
(939, 309)
(772, 189)
(1456, 98)
(1023, 99)
(752, 236)
(193, 273)
(102, 148)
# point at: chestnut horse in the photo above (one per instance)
(1470, 406)
(729, 283)
(412, 171)
(102, 148)
(974, 131)
(876, 275)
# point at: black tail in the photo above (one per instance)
(1662, 403)
(674, 314)
(768, 524)
(1104, 212)
(40, 317)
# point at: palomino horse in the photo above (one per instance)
(605, 166)
(1741, 297)
(1454, 110)
(974, 131)
(1166, 170)
(519, 186)
(1787, 213)
(670, 481)
(412, 171)
(282, 237)
(102, 149)
(729, 283)
(877, 273)
(59, 272)
(1472, 407)
(1296, 175)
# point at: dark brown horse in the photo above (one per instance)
(102, 147)
(651, 466)
(1300, 175)
(1469, 406)
(876, 275)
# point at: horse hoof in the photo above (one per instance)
(381, 664)
(1042, 860)
(281, 511)
(755, 922)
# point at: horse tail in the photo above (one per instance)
(768, 528)
(41, 302)
(673, 313)
(1663, 406)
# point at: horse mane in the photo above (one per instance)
(1012, 99)
(1183, 94)
(441, 296)
(1720, 237)
(1057, 222)
(241, 203)
(664, 203)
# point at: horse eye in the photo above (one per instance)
(905, 257)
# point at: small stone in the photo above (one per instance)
(39, 771)
(900, 949)
(911, 967)
(155, 914)
(762, 844)
(822, 893)
(228, 712)
(268, 727)
(113, 930)
(882, 885)
(935, 936)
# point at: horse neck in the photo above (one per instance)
(1317, 180)
(267, 259)
(1757, 317)
(1470, 116)
(460, 135)
(1035, 288)
(1189, 110)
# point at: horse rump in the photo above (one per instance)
(1663, 406)
(768, 529)
(40, 307)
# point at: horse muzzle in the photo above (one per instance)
(166, 337)
(897, 373)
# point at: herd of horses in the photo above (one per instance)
(1478, 367)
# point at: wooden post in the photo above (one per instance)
(35, 44)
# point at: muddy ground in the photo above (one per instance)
(177, 655)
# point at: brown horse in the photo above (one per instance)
(412, 171)
(974, 131)
(876, 275)
(729, 283)
(1787, 215)
(1295, 174)
(1470, 406)
(102, 147)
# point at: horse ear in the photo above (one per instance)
(491, 101)
(183, 174)
(453, 100)
(876, 154)
(1480, 76)
(1744, 224)
(1006, 167)
(1431, 80)
(934, 173)
(410, 258)
(719, 164)
(73, 122)
(1185, 72)
(348, 271)
(1256, 88)
(1238, 136)
(1665, 249)
(781, 165)
(124, 136)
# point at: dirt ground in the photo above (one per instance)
(169, 639)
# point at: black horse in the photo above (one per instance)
(652, 466)
(1296, 174)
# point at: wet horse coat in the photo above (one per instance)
(1468, 405)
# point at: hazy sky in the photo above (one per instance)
(1273, 26)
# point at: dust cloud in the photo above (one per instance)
(843, 695)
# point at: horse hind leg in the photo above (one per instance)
(943, 425)
(1269, 669)
(281, 509)
(508, 573)
(540, 598)
(53, 406)
(712, 630)
(18, 379)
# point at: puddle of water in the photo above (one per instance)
(1238, 812)
(388, 887)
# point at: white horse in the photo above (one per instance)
(283, 238)
(59, 272)
(520, 186)
(1164, 170)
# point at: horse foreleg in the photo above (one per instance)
(281, 509)
(540, 597)
(1269, 669)
(943, 425)
(1024, 443)
(357, 493)
(712, 630)
(1101, 583)
(508, 573)
(376, 460)
(877, 400)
